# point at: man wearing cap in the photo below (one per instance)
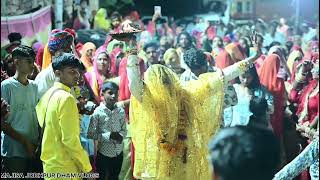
(59, 42)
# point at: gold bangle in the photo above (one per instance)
(244, 65)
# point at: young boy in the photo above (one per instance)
(107, 125)
(21, 125)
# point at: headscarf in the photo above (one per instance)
(135, 15)
(100, 21)
(39, 56)
(223, 60)
(314, 54)
(279, 51)
(227, 39)
(113, 43)
(103, 48)
(36, 46)
(268, 75)
(211, 32)
(209, 58)
(235, 51)
(309, 53)
(124, 91)
(303, 110)
(275, 50)
(293, 58)
(259, 62)
(296, 48)
(113, 56)
(87, 61)
(163, 98)
(168, 54)
(93, 78)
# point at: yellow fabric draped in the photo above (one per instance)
(156, 124)
(294, 55)
(100, 21)
(46, 61)
(203, 101)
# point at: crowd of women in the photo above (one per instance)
(279, 92)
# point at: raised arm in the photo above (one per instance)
(135, 81)
(304, 160)
(240, 67)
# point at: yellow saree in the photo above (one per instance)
(156, 125)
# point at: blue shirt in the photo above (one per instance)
(86, 143)
(22, 117)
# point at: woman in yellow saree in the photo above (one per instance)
(167, 145)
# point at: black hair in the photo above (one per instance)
(150, 44)
(255, 78)
(187, 35)
(81, 1)
(273, 43)
(115, 14)
(14, 37)
(66, 60)
(246, 50)
(23, 51)
(195, 58)
(243, 152)
(258, 106)
(109, 85)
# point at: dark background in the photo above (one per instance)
(175, 8)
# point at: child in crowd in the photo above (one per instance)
(107, 125)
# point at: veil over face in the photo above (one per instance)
(157, 125)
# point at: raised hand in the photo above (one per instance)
(256, 49)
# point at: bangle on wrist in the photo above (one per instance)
(245, 65)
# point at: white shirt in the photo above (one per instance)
(45, 80)
(103, 121)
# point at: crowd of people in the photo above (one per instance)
(158, 98)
